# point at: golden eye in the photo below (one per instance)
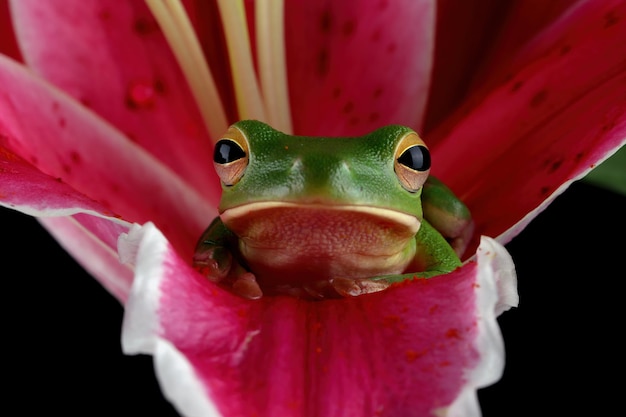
(412, 162)
(231, 156)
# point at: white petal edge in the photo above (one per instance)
(497, 292)
(148, 249)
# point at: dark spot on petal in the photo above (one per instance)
(517, 86)
(565, 49)
(55, 105)
(579, 156)
(145, 25)
(75, 157)
(391, 48)
(62, 122)
(141, 94)
(159, 86)
(376, 35)
(610, 19)
(348, 107)
(322, 62)
(373, 117)
(66, 168)
(538, 98)
(85, 102)
(336, 92)
(555, 166)
(378, 92)
(453, 333)
(326, 21)
(348, 28)
(382, 4)
(544, 191)
(104, 15)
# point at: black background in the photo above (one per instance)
(61, 344)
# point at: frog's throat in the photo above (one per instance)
(410, 222)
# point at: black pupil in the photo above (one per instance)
(227, 151)
(416, 157)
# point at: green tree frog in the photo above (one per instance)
(323, 217)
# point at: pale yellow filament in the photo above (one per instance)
(270, 35)
(175, 24)
(268, 102)
(247, 92)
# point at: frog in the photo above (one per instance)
(328, 217)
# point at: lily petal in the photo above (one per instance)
(423, 346)
(23, 187)
(89, 243)
(563, 111)
(353, 67)
(41, 125)
(8, 43)
(464, 31)
(112, 57)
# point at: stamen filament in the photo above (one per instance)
(247, 93)
(179, 32)
(270, 35)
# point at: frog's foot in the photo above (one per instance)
(245, 285)
(213, 264)
(352, 288)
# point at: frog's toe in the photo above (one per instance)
(213, 264)
(462, 239)
(246, 286)
(353, 288)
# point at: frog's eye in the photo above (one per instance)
(230, 156)
(412, 164)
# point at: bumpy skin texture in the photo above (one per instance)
(323, 217)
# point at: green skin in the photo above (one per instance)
(318, 213)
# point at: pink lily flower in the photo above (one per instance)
(101, 137)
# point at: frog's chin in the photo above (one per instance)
(285, 243)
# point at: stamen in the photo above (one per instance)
(247, 92)
(177, 28)
(270, 35)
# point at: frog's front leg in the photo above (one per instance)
(447, 214)
(214, 259)
(433, 256)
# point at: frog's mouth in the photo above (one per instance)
(281, 240)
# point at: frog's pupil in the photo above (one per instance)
(416, 157)
(227, 151)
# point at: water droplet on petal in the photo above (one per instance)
(141, 94)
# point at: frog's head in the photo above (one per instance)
(316, 206)
(381, 170)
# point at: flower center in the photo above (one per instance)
(262, 96)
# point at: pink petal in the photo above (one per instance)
(112, 56)
(63, 140)
(8, 43)
(23, 187)
(510, 152)
(464, 31)
(422, 346)
(90, 240)
(521, 22)
(354, 67)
